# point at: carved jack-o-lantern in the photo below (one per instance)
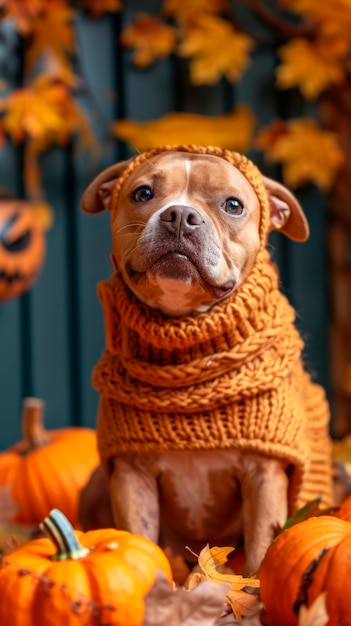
(22, 247)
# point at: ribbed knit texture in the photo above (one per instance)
(229, 378)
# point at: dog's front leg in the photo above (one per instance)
(265, 506)
(134, 498)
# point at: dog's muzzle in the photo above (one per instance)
(181, 220)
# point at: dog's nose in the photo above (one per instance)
(179, 218)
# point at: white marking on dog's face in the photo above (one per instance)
(186, 231)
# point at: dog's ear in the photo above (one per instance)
(287, 215)
(97, 196)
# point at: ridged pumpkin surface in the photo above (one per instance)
(301, 563)
(50, 475)
(107, 586)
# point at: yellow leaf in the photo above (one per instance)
(215, 49)
(311, 66)
(211, 558)
(185, 11)
(306, 152)
(316, 614)
(150, 39)
(22, 12)
(47, 114)
(230, 130)
(51, 30)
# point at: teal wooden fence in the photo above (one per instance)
(51, 337)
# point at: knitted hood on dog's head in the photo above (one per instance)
(229, 378)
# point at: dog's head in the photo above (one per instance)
(188, 223)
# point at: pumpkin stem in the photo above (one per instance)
(33, 431)
(57, 527)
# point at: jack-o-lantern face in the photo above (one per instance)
(22, 248)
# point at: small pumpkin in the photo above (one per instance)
(22, 247)
(304, 561)
(46, 470)
(97, 577)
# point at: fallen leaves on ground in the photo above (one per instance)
(203, 606)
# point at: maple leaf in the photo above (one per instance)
(230, 130)
(202, 605)
(185, 11)
(307, 153)
(96, 8)
(312, 66)
(316, 614)
(51, 30)
(22, 12)
(329, 17)
(215, 49)
(150, 39)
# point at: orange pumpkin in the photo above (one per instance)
(97, 577)
(47, 469)
(22, 247)
(304, 561)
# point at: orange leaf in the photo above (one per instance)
(230, 130)
(209, 59)
(22, 12)
(96, 8)
(312, 66)
(185, 11)
(150, 39)
(243, 603)
(51, 30)
(306, 152)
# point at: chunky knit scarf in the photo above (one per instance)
(231, 378)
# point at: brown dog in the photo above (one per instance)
(216, 457)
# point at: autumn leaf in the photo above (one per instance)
(214, 49)
(316, 614)
(51, 30)
(47, 113)
(96, 8)
(201, 606)
(329, 17)
(150, 39)
(209, 561)
(313, 66)
(307, 153)
(22, 12)
(185, 11)
(230, 130)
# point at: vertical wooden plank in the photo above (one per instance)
(93, 242)
(11, 357)
(50, 304)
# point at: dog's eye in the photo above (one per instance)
(234, 207)
(142, 194)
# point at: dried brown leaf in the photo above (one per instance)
(202, 606)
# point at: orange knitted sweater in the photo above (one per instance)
(229, 378)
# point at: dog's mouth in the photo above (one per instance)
(181, 266)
